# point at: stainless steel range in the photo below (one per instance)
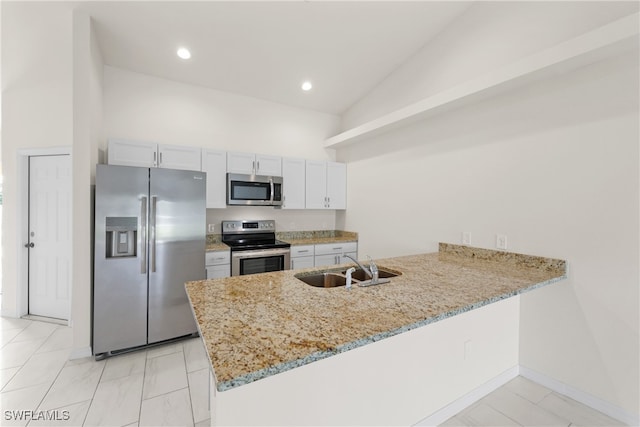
(254, 247)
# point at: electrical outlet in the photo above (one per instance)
(467, 352)
(211, 228)
(466, 237)
(501, 241)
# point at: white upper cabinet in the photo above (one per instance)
(132, 153)
(316, 185)
(179, 157)
(214, 163)
(241, 163)
(293, 183)
(254, 164)
(326, 185)
(337, 185)
(149, 154)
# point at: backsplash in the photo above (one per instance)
(314, 234)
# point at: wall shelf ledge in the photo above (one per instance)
(596, 45)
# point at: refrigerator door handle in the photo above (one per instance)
(154, 201)
(143, 235)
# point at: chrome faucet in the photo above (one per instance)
(372, 271)
(373, 268)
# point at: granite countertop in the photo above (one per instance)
(263, 324)
(217, 246)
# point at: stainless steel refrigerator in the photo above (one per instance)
(149, 240)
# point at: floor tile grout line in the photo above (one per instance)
(186, 368)
(84, 420)
(538, 407)
(144, 376)
(27, 361)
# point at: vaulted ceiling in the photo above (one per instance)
(267, 49)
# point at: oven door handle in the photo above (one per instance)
(260, 253)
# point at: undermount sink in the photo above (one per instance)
(334, 278)
(360, 274)
(323, 279)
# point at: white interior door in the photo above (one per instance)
(49, 239)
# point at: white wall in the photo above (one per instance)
(554, 166)
(138, 106)
(36, 108)
(488, 35)
(147, 108)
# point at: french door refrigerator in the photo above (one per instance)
(149, 240)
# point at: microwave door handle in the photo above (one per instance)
(272, 189)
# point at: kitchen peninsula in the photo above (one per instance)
(284, 352)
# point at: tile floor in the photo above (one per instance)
(521, 402)
(168, 385)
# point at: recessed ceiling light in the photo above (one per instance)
(184, 53)
(306, 86)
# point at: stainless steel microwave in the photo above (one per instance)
(254, 190)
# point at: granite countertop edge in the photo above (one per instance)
(319, 355)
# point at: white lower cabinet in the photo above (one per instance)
(218, 264)
(331, 253)
(302, 256)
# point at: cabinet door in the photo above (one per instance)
(293, 183)
(218, 271)
(132, 153)
(268, 165)
(302, 262)
(331, 259)
(179, 157)
(316, 185)
(241, 163)
(214, 163)
(337, 185)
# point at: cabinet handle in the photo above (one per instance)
(306, 250)
(161, 157)
(155, 158)
(253, 167)
(257, 166)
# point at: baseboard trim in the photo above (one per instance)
(594, 402)
(470, 398)
(80, 353)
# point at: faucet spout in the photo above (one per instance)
(365, 269)
(372, 271)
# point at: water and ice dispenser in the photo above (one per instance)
(122, 233)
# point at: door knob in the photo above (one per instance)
(29, 245)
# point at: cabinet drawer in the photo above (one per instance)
(336, 248)
(217, 258)
(218, 271)
(302, 250)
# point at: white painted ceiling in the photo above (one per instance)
(266, 49)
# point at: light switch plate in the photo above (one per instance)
(211, 228)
